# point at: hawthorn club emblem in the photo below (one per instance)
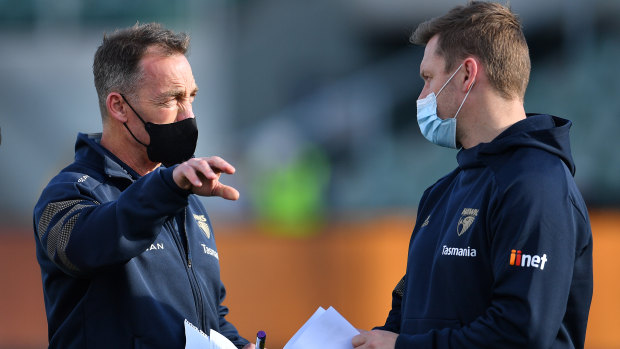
(201, 220)
(468, 216)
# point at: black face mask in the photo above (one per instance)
(170, 143)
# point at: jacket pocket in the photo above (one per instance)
(418, 326)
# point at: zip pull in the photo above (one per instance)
(189, 262)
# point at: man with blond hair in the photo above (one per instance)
(501, 252)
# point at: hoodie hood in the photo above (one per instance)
(88, 148)
(545, 132)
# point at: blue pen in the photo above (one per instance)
(260, 339)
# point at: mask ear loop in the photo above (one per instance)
(464, 99)
(138, 115)
(444, 85)
(134, 111)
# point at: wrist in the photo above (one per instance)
(168, 175)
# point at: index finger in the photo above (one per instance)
(217, 163)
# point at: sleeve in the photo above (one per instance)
(227, 329)
(80, 234)
(392, 323)
(533, 233)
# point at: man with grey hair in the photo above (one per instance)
(126, 249)
(501, 252)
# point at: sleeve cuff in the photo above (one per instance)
(166, 175)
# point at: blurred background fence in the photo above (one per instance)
(314, 104)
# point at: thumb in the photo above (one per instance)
(226, 192)
(359, 339)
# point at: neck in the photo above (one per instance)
(490, 116)
(127, 150)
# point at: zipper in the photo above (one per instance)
(183, 247)
(194, 279)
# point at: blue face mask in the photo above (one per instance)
(439, 131)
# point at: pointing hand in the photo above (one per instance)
(202, 177)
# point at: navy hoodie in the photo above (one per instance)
(501, 252)
(125, 259)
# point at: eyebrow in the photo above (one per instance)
(176, 93)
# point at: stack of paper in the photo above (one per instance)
(196, 339)
(326, 329)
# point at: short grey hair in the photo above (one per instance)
(116, 65)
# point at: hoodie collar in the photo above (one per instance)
(88, 148)
(546, 132)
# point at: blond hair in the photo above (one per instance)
(490, 32)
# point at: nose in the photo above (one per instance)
(185, 111)
(423, 93)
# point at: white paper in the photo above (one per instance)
(218, 341)
(195, 338)
(325, 329)
(291, 342)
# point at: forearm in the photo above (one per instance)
(81, 234)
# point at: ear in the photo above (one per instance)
(471, 68)
(117, 108)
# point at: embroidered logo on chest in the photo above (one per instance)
(468, 216)
(201, 220)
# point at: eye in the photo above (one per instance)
(170, 102)
(175, 100)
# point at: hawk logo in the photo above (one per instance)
(467, 219)
(201, 220)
